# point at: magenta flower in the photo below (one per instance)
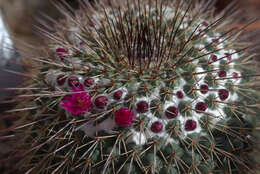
(124, 117)
(77, 103)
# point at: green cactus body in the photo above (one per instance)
(163, 90)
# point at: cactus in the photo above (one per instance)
(132, 87)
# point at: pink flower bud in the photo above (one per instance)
(124, 117)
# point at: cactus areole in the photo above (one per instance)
(143, 87)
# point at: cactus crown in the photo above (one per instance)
(142, 87)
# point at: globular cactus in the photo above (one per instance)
(142, 86)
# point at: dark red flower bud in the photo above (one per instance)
(214, 58)
(142, 107)
(118, 94)
(229, 56)
(61, 80)
(61, 51)
(201, 107)
(157, 127)
(204, 23)
(179, 94)
(204, 89)
(223, 94)
(88, 82)
(190, 125)
(73, 81)
(222, 73)
(235, 75)
(171, 112)
(101, 102)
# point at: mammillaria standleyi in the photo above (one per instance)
(142, 86)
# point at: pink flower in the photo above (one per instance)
(77, 103)
(124, 117)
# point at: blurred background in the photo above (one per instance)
(17, 20)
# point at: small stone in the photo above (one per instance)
(190, 125)
(142, 107)
(88, 82)
(179, 94)
(101, 102)
(73, 81)
(223, 94)
(204, 89)
(118, 94)
(157, 127)
(171, 112)
(222, 73)
(201, 107)
(61, 79)
(214, 58)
